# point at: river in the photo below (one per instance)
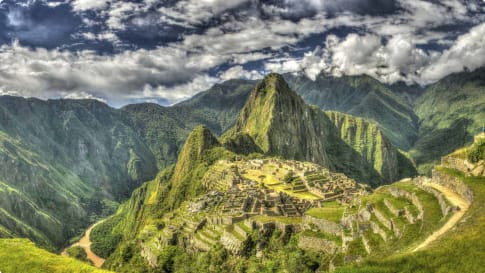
(85, 243)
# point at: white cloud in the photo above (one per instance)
(179, 92)
(467, 51)
(196, 11)
(398, 59)
(387, 47)
(53, 73)
(103, 36)
(80, 95)
(84, 5)
(238, 72)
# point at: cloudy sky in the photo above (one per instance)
(167, 50)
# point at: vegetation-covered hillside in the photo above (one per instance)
(280, 123)
(364, 97)
(21, 256)
(260, 214)
(76, 155)
(451, 112)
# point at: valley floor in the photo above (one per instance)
(85, 243)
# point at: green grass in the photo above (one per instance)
(460, 250)
(22, 256)
(333, 214)
(78, 253)
(104, 240)
(281, 219)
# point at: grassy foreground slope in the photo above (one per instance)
(22, 256)
(462, 249)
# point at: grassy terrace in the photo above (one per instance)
(333, 214)
(411, 234)
(460, 250)
(281, 219)
(322, 235)
(22, 256)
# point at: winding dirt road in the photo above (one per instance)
(85, 243)
(455, 200)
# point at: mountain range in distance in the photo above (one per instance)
(88, 158)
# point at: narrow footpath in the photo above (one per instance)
(457, 201)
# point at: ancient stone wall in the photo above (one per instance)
(323, 225)
(455, 163)
(231, 243)
(378, 230)
(397, 192)
(318, 244)
(445, 207)
(453, 183)
(392, 209)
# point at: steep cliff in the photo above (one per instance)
(365, 97)
(370, 142)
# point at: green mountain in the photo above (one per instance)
(76, 155)
(164, 129)
(371, 143)
(365, 97)
(85, 156)
(451, 112)
(214, 199)
(280, 123)
(220, 211)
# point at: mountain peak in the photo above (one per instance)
(195, 150)
(199, 140)
(272, 84)
(269, 99)
(280, 122)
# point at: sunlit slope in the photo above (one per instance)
(22, 256)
